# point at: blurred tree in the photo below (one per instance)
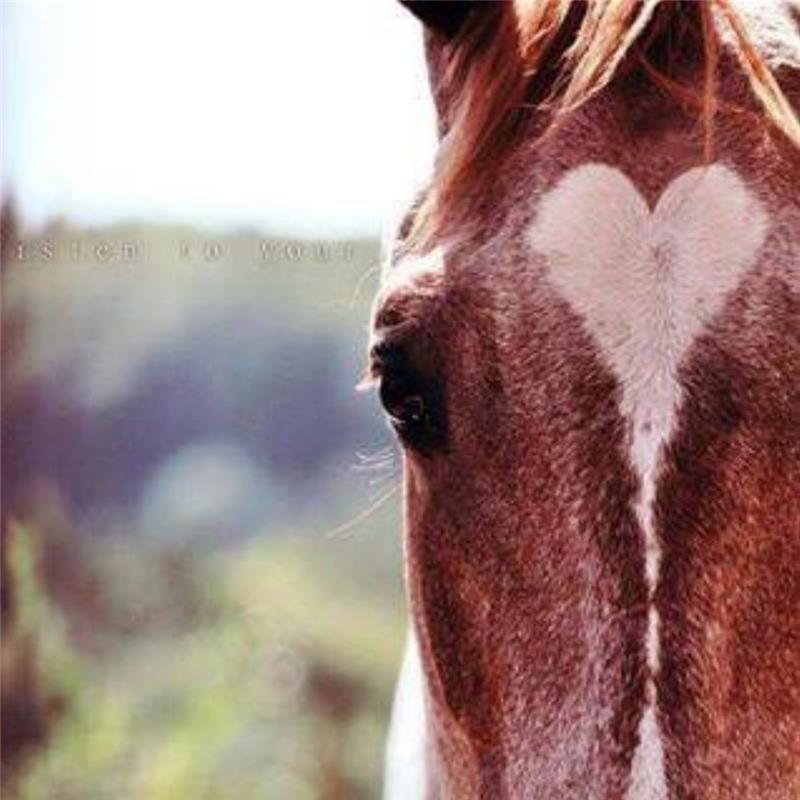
(30, 706)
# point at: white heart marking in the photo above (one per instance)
(646, 284)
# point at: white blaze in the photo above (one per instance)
(646, 284)
(404, 777)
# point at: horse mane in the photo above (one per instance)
(554, 56)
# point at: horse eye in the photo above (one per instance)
(405, 406)
(412, 402)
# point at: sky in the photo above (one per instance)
(307, 117)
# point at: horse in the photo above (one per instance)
(587, 338)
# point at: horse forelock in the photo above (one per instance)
(537, 61)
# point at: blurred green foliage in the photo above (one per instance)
(274, 682)
(158, 645)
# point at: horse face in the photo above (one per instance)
(525, 568)
(570, 394)
(594, 376)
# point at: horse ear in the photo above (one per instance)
(443, 21)
(442, 17)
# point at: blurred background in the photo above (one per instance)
(201, 567)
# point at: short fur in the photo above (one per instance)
(527, 526)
